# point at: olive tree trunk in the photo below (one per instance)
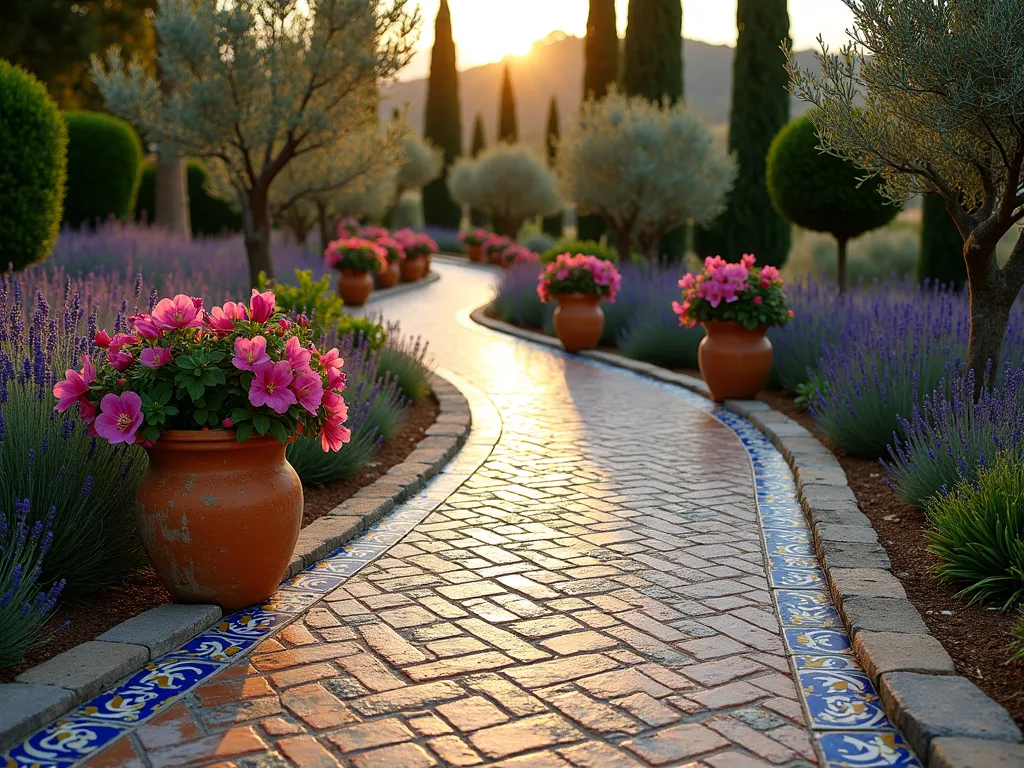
(992, 294)
(257, 232)
(843, 242)
(170, 189)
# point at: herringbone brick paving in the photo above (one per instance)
(593, 597)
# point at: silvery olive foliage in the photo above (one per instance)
(647, 169)
(255, 84)
(508, 183)
(421, 162)
(929, 95)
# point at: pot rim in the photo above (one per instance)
(581, 296)
(184, 438)
(733, 325)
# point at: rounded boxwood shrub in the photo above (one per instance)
(209, 215)
(33, 162)
(104, 166)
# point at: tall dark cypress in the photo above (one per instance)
(760, 108)
(553, 224)
(507, 127)
(478, 218)
(653, 68)
(600, 69)
(443, 123)
(942, 246)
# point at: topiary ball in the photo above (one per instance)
(33, 163)
(209, 215)
(820, 192)
(104, 167)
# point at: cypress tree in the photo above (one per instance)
(600, 69)
(653, 68)
(942, 246)
(443, 123)
(760, 108)
(553, 224)
(507, 130)
(478, 218)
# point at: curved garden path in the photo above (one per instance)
(594, 595)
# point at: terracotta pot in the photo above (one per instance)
(476, 253)
(735, 362)
(413, 269)
(219, 520)
(496, 258)
(579, 321)
(355, 287)
(389, 277)
(426, 264)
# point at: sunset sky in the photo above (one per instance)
(488, 30)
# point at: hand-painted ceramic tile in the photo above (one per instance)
(841, 699)
(289, 601)
(794, 578)
(807, 608)
(233, 635)
(148, 691)
(818, 641)
(885, 749)
(315, 580)
(790, 542)
(63, 743)
(835, 663)
(781, 523)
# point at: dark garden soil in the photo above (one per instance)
(88, 619)
(977, 638)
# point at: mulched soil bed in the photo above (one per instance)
(91, 618)
(975, 637)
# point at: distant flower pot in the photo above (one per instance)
(734, 362)
(476, 253)
(355, 287)
(426, 264)
(389, 277)
(498, 259)
(579, 321)
(218, 519)
(413, 269)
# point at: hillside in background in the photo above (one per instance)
(555, 67)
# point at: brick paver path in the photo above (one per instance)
(594, 596)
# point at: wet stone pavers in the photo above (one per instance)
(592, 592)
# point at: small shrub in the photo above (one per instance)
(319, 303)
(208, 215)
(538, 242)
(405, 359)
(33, 168)
(362, 329)
(977, 531)
(586, 247)
(104, 168)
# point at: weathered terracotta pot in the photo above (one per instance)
(389, 277)
(219, 520)
(476, 253)
(413, 269)
(355, 287)
(426, 264)
(579, 321)
(735, 362)
(496, 258)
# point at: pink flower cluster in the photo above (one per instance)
(496, 245)
(374, 233)
(356, 253)
(723, 283)
(579, 273)
(415, 243)
(474, 236)
(349, 227)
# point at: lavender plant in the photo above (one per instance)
(516, 301)
(405, 358)
(26, 601)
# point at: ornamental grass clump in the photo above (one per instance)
(579, 274)
(26, 602)
(951, 436)
(356, 254)
(977, 531)
(734, 293)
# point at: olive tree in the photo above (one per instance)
(419, 164)
(508, 183)
(255, 84)
(943, 113)
(645, 168)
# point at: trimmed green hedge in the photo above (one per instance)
(209, 215)
(104, 166)
(33, 168)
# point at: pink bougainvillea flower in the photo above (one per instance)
(261, 305)
(333, 436)
(298, 355)
(250, 352)
(270, 387)
(74, 386)
(120, 360)
(757, 300)
(155, 357)
(102, 340)
(145, 327)
(222, 319)
(179, 312)
(120, 417)
(309, 390)
(748, 260)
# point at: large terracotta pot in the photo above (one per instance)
(219, 520)
(389, 277)
(413, 269)
(426, 264)
(579, 321)
(735, 362)
(496, 258)
(355, 287)
(476, 253)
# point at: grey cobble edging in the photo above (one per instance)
(379, 294)
(948, 720)
(60, 684)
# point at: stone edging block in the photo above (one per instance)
(948, 720)
(56, 686)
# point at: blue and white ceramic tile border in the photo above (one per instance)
(83, 732)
